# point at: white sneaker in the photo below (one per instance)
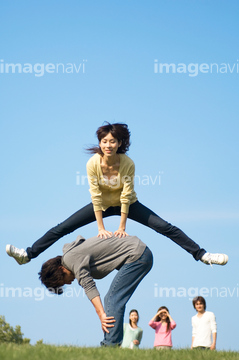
(219, 259)
(20, 255)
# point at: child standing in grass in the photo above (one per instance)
(132, 332)
(163, 324)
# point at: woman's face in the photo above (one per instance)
(109, 145)
(134, 317)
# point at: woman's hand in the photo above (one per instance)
(162, 311)
(104, 234)
(136, 342)
(121, 230)
(120, 233)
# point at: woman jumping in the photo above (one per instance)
(111, 178)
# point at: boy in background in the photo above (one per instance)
(204, 327)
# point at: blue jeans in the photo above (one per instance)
(121, 289)
(137, 212)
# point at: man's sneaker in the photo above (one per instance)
(219, 259)
(20, 255)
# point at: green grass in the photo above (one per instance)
(50, 352)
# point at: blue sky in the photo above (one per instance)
(184, 132)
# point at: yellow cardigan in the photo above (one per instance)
(118, 191)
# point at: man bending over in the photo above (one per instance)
(94, 258)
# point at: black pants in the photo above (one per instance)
(137, 212)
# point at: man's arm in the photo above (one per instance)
(214, 339)
(193, 337)
(106, 322)
(214, 331)
(193, 332)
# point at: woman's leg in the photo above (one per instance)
(80, 218)
(147, 217)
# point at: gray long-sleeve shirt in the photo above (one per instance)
(95, 258)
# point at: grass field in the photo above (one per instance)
(49, 352)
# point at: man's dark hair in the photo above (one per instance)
(201, 300)
(52, 275)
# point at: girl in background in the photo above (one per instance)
(132, 332)
(163, 324)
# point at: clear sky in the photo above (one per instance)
(76, 64)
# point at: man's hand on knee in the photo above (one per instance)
(106, 322)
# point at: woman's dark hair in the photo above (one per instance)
(158, 318)
(118, 131)
(133, 310)
(201, 300)
(52, 275)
